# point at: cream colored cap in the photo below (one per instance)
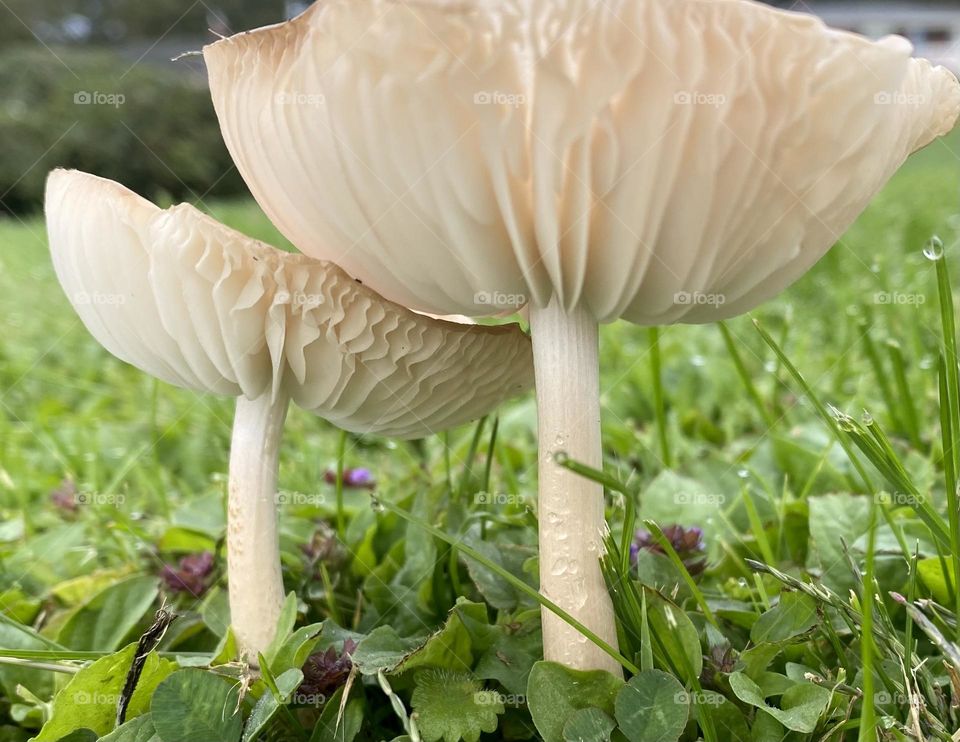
(656, 160)
(190, 301)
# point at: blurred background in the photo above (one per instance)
(93, 84)
(932, 25)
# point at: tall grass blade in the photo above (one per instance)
(745, 377)
(950, 399)
(818, 405)
(514, 581)
(868, 714)
(341, 455)
(880, 376)
(659, 402)
(907, 406)
(672, 555)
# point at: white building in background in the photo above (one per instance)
(933, 28)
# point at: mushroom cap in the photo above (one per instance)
(656, 160)
(190, 301)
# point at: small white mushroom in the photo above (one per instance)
(194, 303)
(654, 160)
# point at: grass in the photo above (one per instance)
(751, 463)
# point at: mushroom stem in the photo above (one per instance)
(570, 512)
(253, 543)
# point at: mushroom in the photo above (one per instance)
(659, 161)
(196, 304)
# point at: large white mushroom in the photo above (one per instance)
(196, 304)
(654, 160)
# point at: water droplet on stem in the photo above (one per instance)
(933, 249)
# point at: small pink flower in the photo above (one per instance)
(324, 672)
(64, 497)
(356, 478)
(687, 542)
(192, 574)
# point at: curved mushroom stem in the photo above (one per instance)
(253, 544)
(570, 512)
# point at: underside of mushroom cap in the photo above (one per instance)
(184, 298)
(657, 160)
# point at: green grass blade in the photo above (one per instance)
(745, 377)
(880, 376)
(659, 403)
(756, 526)
(911, 596)
(341, 455)
(600, 477)
(466, 478)
(935, 252)
(818, 405)
(515, 581)
(868, 714)
(847, 430)
(907, 406)
(672, 555)
(646, 648)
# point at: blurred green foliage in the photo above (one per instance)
(113, 21)
(149, 127)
